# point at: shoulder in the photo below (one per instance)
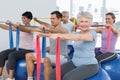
(93, 33)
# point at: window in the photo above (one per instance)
(97, 7)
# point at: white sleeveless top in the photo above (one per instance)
(26, 40)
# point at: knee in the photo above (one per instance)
(11, 56)
(29, 56)
(47, 62)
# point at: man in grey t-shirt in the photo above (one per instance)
(63, 51)
(55, 27)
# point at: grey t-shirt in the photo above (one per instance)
(63, 47)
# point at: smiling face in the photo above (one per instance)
(84, 23)
(84, 20)
(26, 20)
(109, 19)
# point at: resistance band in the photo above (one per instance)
(97, 25)
(43, 45)
(17, 38)
(74, 24)
(11, 37)
(109, 38)
(38, 57)
(58, 69)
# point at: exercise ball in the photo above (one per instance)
(113, 68)
(21, 71)
(101, 75)
(117, 51)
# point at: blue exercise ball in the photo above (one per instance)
(117, 51)
(113, 68)
(21, 71)
(101, 75)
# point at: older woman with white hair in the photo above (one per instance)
(84, 64)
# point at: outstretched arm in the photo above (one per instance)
(3, 26)
(54, 29)
(28, 29)
(69, 36)
(41, 22)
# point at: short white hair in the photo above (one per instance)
(66, 13)
(84, 14)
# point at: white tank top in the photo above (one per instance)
(26, 40)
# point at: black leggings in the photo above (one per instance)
(104, 57)
(70, 72)
(12, 56)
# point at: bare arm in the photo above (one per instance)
(69, 36)
(29, 29)
(76, 37)
(115, 31)
(56, 30)
(41, 22)
(6, 27)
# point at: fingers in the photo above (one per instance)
(18, 24)
(52, 36)
(40, 34)
(108, 25)
(8, 22)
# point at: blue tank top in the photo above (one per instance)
(84, 51)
